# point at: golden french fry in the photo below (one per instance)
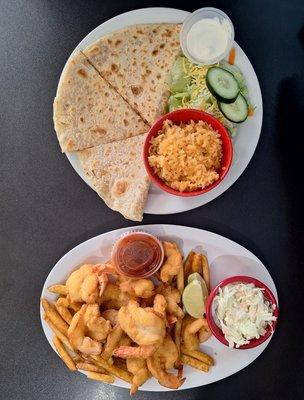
(112, 341)
(196, 265)
(57, 332)
(180, 280)
(63, 302)
(64, 354)
(64, 313)
(119, 373)
(89, 367)
(194, 363)
(206, 271)
(177, 339)
(58, 289)
(56, 319)
(205, 358)
(188, 263)
(101, 377)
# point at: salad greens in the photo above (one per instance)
(189, 89)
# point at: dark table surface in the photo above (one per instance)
(45, 208)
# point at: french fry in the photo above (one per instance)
(112, 341)
(57, 332)
(90, 367)
(119, 373)
(101, 377)
(177, 340)
(196, 265)
(66, 358)
(56, 319)
(63, 302)
(180, 280)
(58, 289)
(206, 271)
(64, 313)
(205, 358)
(188, 263)
(194, 363)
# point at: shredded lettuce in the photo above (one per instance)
(189, 90)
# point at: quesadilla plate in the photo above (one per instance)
(104, 53)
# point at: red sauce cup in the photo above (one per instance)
(137, 255)
(216, 330)
(186, 115)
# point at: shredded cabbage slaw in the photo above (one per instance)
(242, 313)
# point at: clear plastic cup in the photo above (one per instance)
(202, 13)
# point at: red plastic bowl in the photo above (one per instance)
(217, 332)
(186, 115)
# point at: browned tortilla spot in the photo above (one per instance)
(82, 73)
(161, 46)
(126, 122)
(136, 90)
(114, 67)
(120, 188)
(99, 130)
(154, 52)
(118, 41)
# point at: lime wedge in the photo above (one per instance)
(197, 277)
(193, 299)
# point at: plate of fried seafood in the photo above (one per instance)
(127, 307)
(129, 72)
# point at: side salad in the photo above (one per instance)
(218, 89)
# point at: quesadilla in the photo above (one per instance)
(88, 112)
(136, 61)
(117, 174)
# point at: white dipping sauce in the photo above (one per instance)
(208, 38)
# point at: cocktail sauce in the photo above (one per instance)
(137, 255)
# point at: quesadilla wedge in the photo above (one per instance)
(117, 174)
(88, 112)
(136, 61)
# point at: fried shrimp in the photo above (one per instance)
(173, 262)
(110, 315)
(190, 331)
(82, 285)
(102, 271)
(98, 328)
(138, 287)
(77, 335)
(172, 297)
(142, 325)
(112, 293)
(137, 367)
(132, 351)
(162, 360)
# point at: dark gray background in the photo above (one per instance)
(46, 209)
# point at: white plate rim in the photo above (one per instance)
(170, 230)
(160, 202)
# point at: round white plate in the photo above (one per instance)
(245, 142)
(226, 258)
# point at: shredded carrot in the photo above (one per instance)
(231, 58)
(250, 112)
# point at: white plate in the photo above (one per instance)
(160, 202)
(226, 258)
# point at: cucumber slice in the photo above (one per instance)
(237, 111)
(222, 84)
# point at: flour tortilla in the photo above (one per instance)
(117, 174)
(88, 112)
(136, 61)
